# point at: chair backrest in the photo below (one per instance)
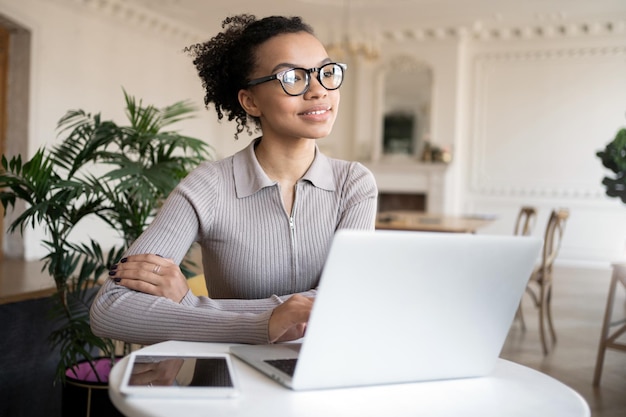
(197, 285)
(525, 221)
(553, 237)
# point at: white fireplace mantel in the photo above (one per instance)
(411, 177)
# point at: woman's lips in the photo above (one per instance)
(316, 113)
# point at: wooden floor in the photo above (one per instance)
(578, 309)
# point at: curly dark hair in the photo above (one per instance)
(225, 62)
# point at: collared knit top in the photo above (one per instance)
(254, 253)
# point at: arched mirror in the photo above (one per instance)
(406, 110)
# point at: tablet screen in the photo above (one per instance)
(180, 371)
(149, 374)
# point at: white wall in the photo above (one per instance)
(524, 114)
(525, 117)
(82, 57)
(539, 110)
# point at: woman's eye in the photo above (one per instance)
(292, 77)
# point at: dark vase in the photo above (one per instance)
(86, 396)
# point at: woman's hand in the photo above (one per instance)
(288, 320)
(151, 274)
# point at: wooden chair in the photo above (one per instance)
(609, 338)
(540, 282)
(197, 285)
(524, 225)
(526, 219)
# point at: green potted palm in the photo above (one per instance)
(613, 157)
(99, 170)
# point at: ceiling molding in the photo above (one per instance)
(133, 13)
(479, 32)
(138, 17)
(554, 53)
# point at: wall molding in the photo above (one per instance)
(547, 192)
(481, 183)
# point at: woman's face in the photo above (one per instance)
(310, 115)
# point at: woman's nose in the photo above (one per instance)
(316, 89)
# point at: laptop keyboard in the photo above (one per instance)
(287, 366)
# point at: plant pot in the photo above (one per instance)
(86, 396)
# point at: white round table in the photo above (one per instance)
(510, 390)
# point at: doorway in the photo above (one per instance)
(4, 69)
(15, 56)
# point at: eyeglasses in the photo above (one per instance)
(296, 81)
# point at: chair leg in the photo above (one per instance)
(597, 373)
(519, 315)
(606, 323)
(549, 313)
(544, 311)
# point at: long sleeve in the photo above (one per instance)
(134, 317)
(254, 254)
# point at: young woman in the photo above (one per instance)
(264, 217)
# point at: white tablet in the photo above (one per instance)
(209, 375)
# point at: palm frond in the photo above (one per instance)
(99, 169)
(177, 112)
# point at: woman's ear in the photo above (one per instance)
(246, 99)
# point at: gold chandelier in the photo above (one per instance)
(350, 42)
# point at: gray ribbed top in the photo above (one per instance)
(254, 254)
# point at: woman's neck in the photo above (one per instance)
(285, 162)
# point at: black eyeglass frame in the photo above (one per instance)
(279, 76)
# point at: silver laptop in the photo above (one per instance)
(396, 306)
